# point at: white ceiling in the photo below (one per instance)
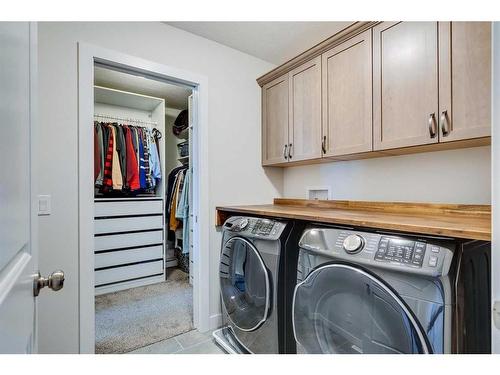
(175, 96)
(275, 42)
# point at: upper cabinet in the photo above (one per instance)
(305, 111)
(405, 84)
(347, 97)
(464, 80)
(380, 88)
(275, 121)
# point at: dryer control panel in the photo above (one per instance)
(254, 227)
(419, 255)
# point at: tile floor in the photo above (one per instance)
(192, 342)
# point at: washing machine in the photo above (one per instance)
(367, 292)
(251, 267)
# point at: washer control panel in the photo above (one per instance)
(420, 255)
(255, 227)
(400, 250)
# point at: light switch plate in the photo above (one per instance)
(319, 192)
(44, 205)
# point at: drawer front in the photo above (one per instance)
(127, 224)
(120, 257)
(113, 275)
(123, 208)
(118, 241)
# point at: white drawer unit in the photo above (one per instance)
(125, 273)
(128, 243)
(127, 224)
(121, 257)
(105, 208)
(124, 240)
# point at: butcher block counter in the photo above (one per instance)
(449, 220)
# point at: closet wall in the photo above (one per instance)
(129, 238)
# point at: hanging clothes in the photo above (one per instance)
(107, 183)
(116, 172)
(133, 166)
(97, 152)
(132, 170)
(154, 163)
(174, 223)
(182, 212)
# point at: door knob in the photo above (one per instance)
(55, 282)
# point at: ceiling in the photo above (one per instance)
(176, 97)
(275, 42)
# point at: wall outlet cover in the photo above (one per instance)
(319, 193)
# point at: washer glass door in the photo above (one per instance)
(245, 284)
(341, 308)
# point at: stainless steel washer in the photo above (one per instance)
(248, 273)
(365, 292)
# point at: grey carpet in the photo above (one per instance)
(133, 318)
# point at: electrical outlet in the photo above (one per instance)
(319, 193)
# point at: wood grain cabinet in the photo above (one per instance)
(464, 80)
(275, 121)
(347, 97)
(305, 111)
(380, 88)
(405, 84)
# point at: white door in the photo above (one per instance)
(18, 251)
(18, 258)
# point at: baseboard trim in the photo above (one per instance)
(215, 321)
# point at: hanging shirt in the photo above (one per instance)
(146, 143)
(142, 164)
(154, 163)
(108, 165)
(97, 152)
(116, 172)
(132, 169)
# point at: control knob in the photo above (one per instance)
(353, 243)
(242, 224)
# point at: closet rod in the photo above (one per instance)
(152, 123)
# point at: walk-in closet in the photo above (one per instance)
(143, 144)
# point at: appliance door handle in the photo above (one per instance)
(432, 125)
(445, 130)
(323, 145)
(290, 151)
(285, 155)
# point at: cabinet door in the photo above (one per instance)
(347, 97)
(405, 86)
(305, 111)
(275, 121)
(465, 80)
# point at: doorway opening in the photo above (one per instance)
(143, 225)
(143, 210)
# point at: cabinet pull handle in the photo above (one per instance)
(285, 155)
(323, 145)
(290, 151)
(432, 125)
(444, 123)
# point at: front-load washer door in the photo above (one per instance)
(342, 308)
(245, 284)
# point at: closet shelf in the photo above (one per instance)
(142, 198)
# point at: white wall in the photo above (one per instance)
(234, 144)
(456, 176)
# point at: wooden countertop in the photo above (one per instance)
(449, 220)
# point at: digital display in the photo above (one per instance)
(400, 251)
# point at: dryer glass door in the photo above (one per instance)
(245, 284)
(341, 308)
